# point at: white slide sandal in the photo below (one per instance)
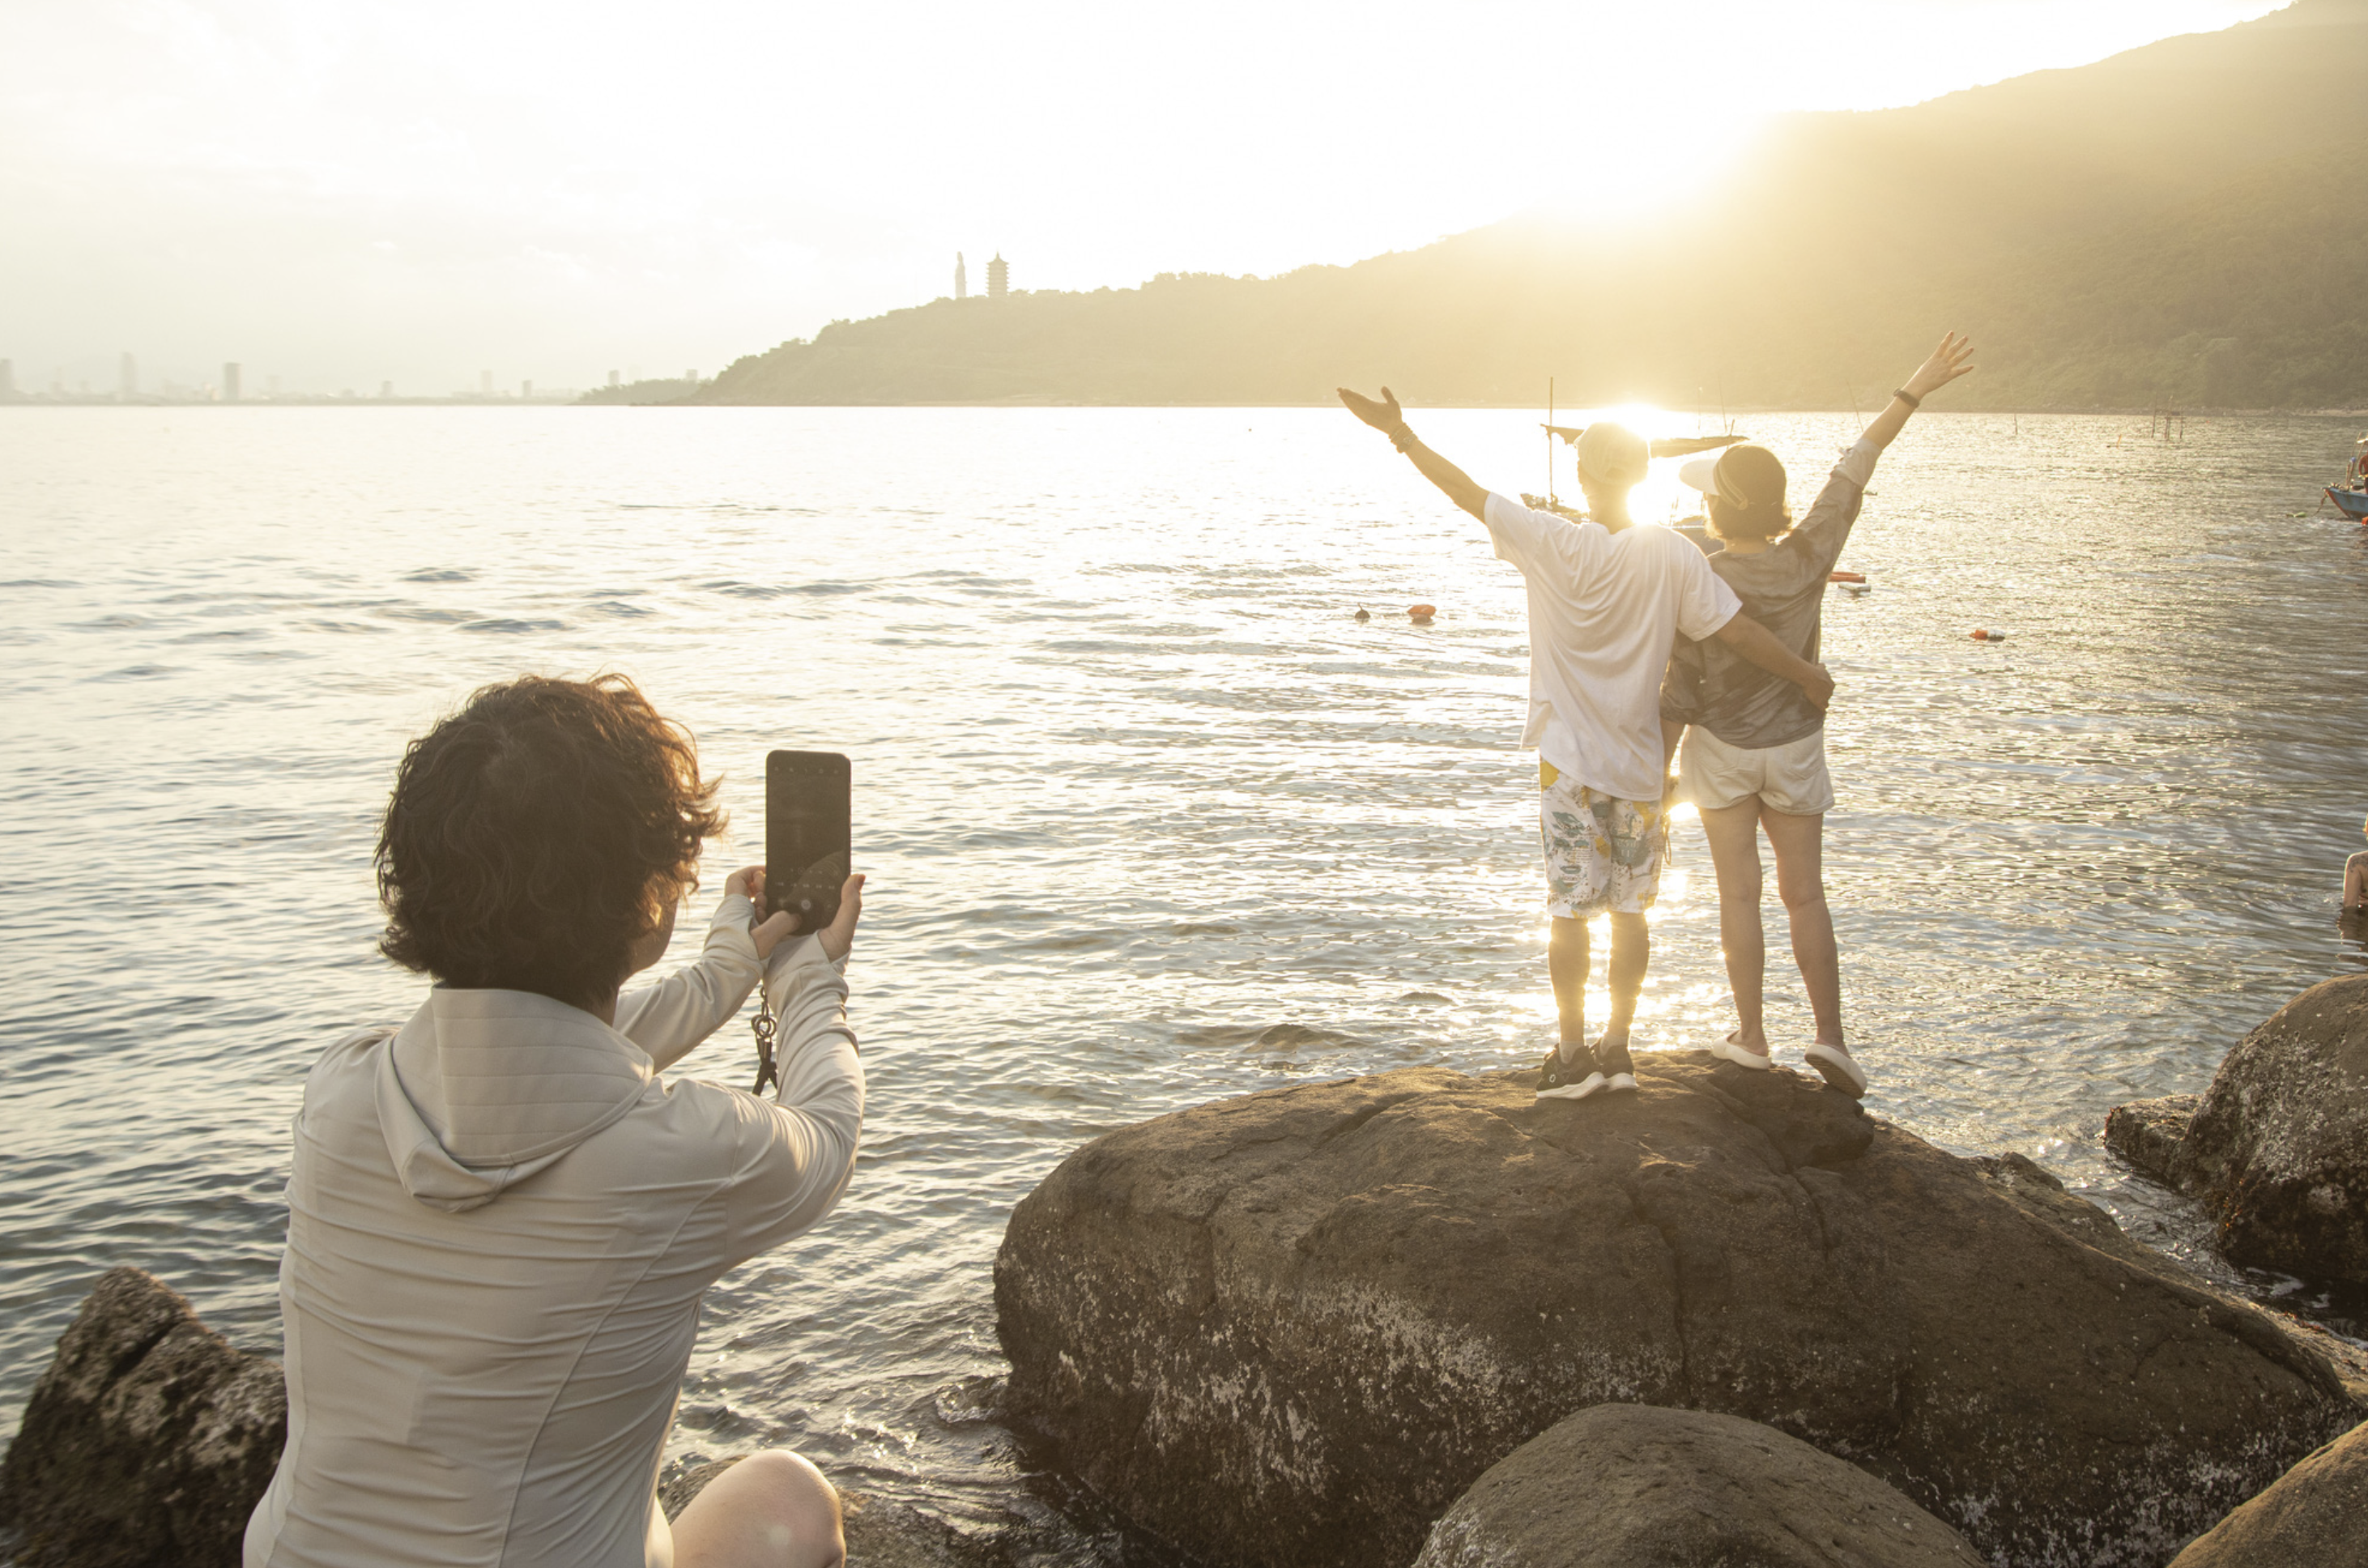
(1838, 1068)
(1727, 1051)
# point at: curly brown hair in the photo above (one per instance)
(537, 833)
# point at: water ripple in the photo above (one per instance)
(1149, 819)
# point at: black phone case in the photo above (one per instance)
(808, 834)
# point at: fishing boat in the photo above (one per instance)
(2352, 495)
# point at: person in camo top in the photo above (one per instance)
(1755, 752)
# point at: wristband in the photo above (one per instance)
(1910, 398)
(1401, 437)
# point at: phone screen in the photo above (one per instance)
(807, 833)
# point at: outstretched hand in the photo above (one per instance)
(1384, 415)
(1946, 364)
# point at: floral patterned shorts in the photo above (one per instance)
(1602, 853)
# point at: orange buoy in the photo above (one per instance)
(1980, 636)
(1844, 576)
(1421, 612)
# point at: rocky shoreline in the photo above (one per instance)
(1295, 1328)
(1422, 1318)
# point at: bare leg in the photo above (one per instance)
(771, 1510)
(1734, 835)
(1632, 949)
(1567, 965)
(1799, 843)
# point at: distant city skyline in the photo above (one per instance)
(374, 192)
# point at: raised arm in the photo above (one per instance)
(1759, 645)
(1386, 417)
(1945, 365)
(669, 1020)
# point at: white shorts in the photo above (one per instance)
(1791, 778)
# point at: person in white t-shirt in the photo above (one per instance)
(1606, 600)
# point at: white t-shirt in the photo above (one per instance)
(1604, 609)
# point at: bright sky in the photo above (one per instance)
(341, 192)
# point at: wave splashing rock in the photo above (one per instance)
(1292, 1328)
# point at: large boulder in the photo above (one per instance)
(1637, 1486)
(146, 1443)
(2314, 1516)
(1292, 1328)
(2277, 1148)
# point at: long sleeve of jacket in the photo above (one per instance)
(796, 1153)
(667, 1019)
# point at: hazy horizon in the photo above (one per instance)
(424, 194)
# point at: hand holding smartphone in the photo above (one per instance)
(808, 835)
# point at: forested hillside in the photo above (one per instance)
(2180, 223)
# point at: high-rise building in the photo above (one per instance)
(7, 378)
(128, 382)
(484, 384)
(526, 391)
(612, 377)
(230, 381)
(998, 277)
(961, 278)
(385, 389)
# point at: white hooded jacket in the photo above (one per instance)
(500, 1223)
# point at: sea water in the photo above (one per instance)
(1149, 818)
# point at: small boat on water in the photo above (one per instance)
(1541, 504)
(2352, 495)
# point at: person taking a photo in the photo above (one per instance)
(501, 1218)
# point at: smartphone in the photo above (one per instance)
(808, 835)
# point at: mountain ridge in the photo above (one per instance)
(2167, 225)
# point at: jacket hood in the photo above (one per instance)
(482, 1088)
